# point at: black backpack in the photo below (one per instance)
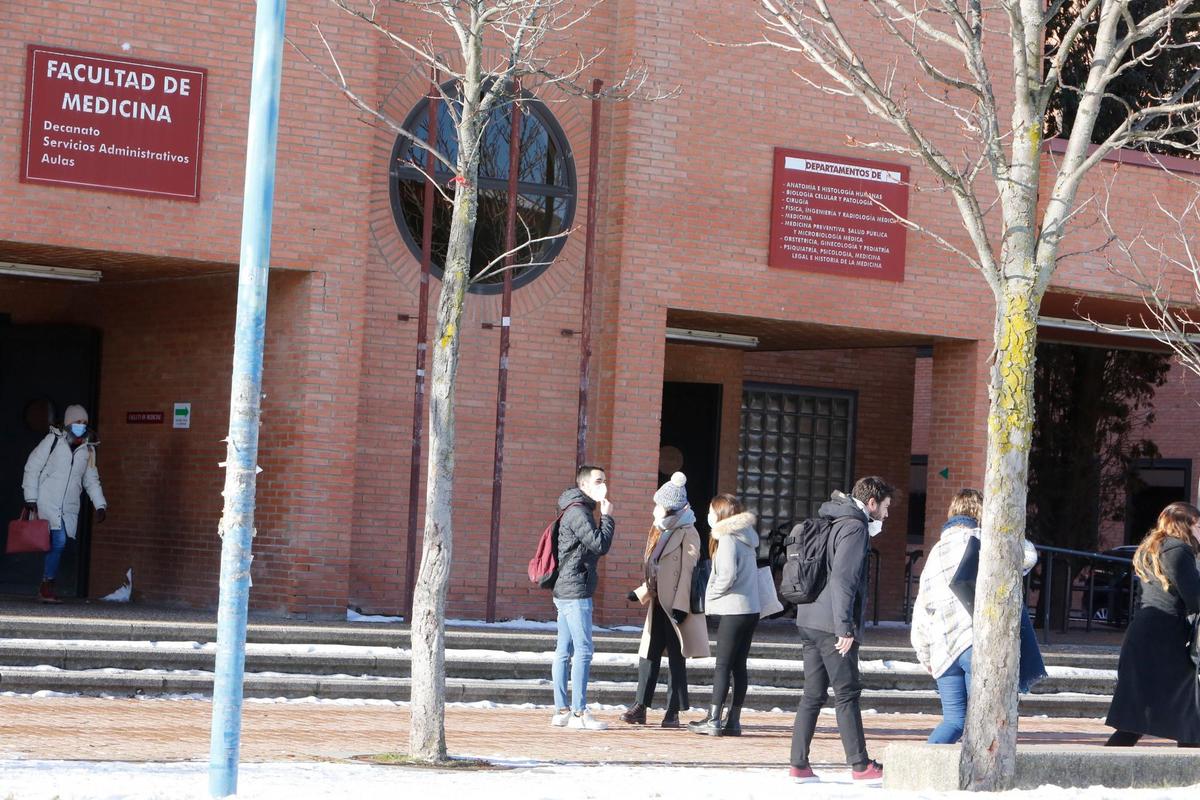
(806, 567)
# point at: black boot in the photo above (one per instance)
(733, 722)
(710, 725)
(671, 718)
(636, 715)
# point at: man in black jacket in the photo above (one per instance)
(581, 543)
(831, 628)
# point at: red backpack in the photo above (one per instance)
(543, 567)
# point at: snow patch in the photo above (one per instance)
(354, 616)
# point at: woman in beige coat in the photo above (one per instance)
(672, 550)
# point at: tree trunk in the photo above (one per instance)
(989, 740)
(427, 731)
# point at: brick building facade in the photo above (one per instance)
(684, 188)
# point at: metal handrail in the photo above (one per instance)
(1054, 554)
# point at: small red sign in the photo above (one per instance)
(837, 215)
(143, 417)
(116, 124)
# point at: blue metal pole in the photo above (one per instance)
(241, 465)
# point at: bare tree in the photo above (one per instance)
(953, 72)
(1155, 266)
(499, 43)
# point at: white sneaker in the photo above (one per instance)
(561, 718)
(585, 722)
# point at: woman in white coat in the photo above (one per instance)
(732, 597)
(59, 469)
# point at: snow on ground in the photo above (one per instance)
(75, 780)
(522, 624)
(354, 616)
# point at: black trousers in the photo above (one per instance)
(662, 637)
(735, 632)
(823, 667)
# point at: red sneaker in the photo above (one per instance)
(804, 775)
(873, 771)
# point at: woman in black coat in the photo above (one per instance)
(1156, 690)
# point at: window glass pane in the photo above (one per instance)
(790, 463)
(545, 206)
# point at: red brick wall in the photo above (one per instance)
(958, 427)
(163, 485)
(679, 228)
(922, 405)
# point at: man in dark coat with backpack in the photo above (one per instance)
(581, 543)
(831, 627)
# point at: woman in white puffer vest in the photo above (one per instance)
(941, 625)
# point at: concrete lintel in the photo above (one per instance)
(917, 766)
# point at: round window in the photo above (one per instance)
(546, 190)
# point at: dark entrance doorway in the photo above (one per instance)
(690, 442)
(43, 369)
(1156, 483)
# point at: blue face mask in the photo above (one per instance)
(78, 429)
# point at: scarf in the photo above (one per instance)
(654, 548)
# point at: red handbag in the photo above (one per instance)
(26, 534)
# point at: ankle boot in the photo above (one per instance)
(733, 722)
(46, 592)
(671, 719)
(636, 715)
(710, 725)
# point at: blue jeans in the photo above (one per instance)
(574, 638)
(1032, 668)
(58, 543)
(953, 685)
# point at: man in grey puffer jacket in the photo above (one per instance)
(831, 629)
(581, 543)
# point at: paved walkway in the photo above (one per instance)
(88, 728)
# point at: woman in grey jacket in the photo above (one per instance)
(732, 596)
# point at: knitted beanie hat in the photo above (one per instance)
(672, 495)
(75, 413)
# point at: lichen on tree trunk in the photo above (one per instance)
(989, 739)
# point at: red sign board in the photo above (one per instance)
(835, 215)
(143, 417)
(111, 123)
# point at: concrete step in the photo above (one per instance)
(777, 640)
(467, 664)
(538, 691)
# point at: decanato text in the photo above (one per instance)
(88, 74)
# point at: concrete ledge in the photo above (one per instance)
(910, 766)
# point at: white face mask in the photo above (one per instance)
(712, 520)
(660, 513)
(874, 527)
(598, 492)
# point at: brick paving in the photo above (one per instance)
(88, 728)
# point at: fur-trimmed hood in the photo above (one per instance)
(740, 527)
